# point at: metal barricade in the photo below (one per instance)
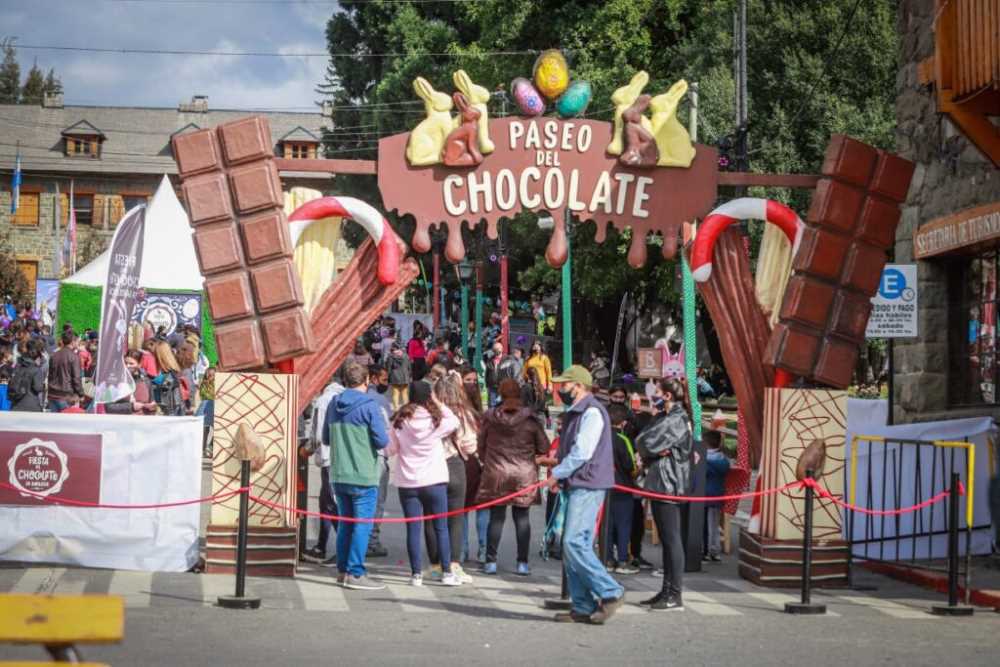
(900, 473)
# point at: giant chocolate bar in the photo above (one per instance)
(836, 270)
(234, 201)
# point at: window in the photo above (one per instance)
(84, 208)
(131, 201)
(27, 209)
(973, 338)
(300, 151)
(83, 147)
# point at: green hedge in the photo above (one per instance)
(81, 305)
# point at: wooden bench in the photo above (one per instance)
(59, 622)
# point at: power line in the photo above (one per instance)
(273, 54)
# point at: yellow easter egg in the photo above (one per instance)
(551, 73)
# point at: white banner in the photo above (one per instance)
(144, 460)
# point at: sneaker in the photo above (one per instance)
(642, 563)
(523, 569)
(416, 580)
(376, 550)
(611, 605)
(489, 568)
(450, 579)
(314, 555)
(341, 578)
(626, 568)
(482, 554)
(460, 572)
(705, 558)
(435, 573)
(330, 562)
(611, 566)
(658, 572)
(362, 583)
(715, 558)
(653, 600)
(670, 602)
(572, 617)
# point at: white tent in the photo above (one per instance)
(168, 258)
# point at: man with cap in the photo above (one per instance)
(586, 472)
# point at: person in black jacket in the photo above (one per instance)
(665, 447)
(28, 382)
(400, 376)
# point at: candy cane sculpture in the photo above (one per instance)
(745, 208)
(386, 241)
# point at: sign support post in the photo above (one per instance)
(567, 295)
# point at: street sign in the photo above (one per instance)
(894, 306)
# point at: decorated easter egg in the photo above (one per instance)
(574, 101)
(551, 73)
(527, 98)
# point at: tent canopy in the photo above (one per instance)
(168, 258)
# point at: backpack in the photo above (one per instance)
(20, 384)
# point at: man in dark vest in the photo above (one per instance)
(586, 472)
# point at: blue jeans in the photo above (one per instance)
(326, 506)
(482, 530)
(206, 409)
(621, 526)
(425, 500)
(352, 538)
(57, 406)
(588, 580)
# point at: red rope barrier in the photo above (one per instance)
(823, 493)
(112, 506)
(403, 519)
(705, 499)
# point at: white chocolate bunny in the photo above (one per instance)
(672, 140)
(623, 98)
(428, 138)
(478, 98)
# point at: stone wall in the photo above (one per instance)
(951, 175)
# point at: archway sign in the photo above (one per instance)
(640, 172)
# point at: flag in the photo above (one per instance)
(58, 254)
(15, 184)
(112, 380)
(69, 245)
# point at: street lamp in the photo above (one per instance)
(465, 271)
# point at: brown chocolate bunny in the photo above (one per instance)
(640, 145)
(461, 148)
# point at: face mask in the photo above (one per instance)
(566, 396)
(382, 388)
(618, 399)
(659, 402)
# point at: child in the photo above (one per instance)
(74, 406)
(621, 502)
(715, 484)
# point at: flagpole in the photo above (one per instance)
(57, 261)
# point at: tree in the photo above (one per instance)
(814, 69)
(34, 86)
(53, 85)
(10, 74)
(12, 281)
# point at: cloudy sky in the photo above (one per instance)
(278, 26)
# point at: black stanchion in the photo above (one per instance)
(562, 603)
(952, 608)
(806, 606)
(241, 600)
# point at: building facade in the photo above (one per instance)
(947, 110)
(110, 159)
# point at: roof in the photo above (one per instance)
(137, 138)
(299, 134)
(82, 129)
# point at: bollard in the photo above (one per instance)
(241, 600)
(806, 606)
(562, 603)
(952, 608)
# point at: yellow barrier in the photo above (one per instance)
(969, 447)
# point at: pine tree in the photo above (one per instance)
(53, 85)
(34, 86)
(10, 74)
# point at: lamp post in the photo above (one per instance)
(465, 270)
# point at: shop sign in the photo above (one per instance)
(894, 306)
(650, 362)
(961, 230)
(42, 465)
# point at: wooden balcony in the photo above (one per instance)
(965, 69)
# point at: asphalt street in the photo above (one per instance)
(171, 619)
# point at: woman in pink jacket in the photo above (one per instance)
(418, 468)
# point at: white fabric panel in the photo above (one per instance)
(145, 460)
(867, 417)
(168, 258)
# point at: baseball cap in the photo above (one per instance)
(575, 373)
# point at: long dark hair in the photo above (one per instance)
(408, 410)
(450, 390)
(677, 388)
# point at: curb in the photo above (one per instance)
(934, 581)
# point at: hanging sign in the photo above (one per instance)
(641, 172)
(894, 306)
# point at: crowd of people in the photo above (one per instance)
(414, 417)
